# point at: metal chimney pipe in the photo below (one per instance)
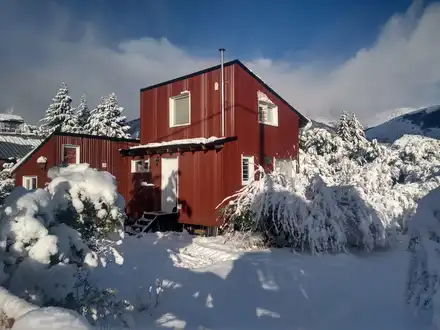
(222, 68)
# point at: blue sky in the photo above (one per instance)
(274, 29)
(370, 57)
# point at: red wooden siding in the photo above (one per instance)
(260, 140)
(205, 108)
(102, 154)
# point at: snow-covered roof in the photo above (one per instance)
(11, 117)
(182, 145)
(17, 145)
(201, 141)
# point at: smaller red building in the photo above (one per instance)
(60, 148)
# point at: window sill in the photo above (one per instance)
(267, 124)
(181, 125)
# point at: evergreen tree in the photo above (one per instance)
(77, 121)
(350, 129)
(356, 129)
(343, 127)
(57, 113)
(83, 114)
(107, 119)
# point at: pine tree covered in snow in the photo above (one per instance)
(107, 119)
(343, 127)
(356, 129)
(59, 112)
(83, 114)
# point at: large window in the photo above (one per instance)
(267, 113)
(70, 154)
(180, 110)
(30, 182)
(247, 169)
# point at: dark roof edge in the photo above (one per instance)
(187, 76)
(302, 119)
(97, 137)
(57, 133)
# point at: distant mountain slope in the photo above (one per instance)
(135, 127)
(424, 121)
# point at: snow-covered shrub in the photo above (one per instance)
(305, 214)
(375, 186)
(423, 282)
(391, 178)
(42, 254)
(87, 200)
(7, 182)
(19, 314)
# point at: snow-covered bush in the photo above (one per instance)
(18, 314)
(7, 182)
(43, 254)
(86, 199)
(305, 214)
(363, 189)
(423, 282)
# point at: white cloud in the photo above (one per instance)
(401, 69)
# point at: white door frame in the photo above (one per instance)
(164, 160)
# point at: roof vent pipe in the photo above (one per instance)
(222, 69)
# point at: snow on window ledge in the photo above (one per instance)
(178, 142)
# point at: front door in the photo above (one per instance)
(170, 169)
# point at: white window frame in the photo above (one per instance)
(251, 169)
(71, 146)
(28, 179)
(134, 168)
(184, 94)
(271, 107)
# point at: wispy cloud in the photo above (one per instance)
(401, 69)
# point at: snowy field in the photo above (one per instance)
(210, 284)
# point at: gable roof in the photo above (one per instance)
(14, 145)
(58, 133)
(302, 119)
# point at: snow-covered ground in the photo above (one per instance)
(209, 284)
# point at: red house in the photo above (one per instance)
(201, 134)
(59, 148)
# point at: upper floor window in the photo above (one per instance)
(180, 109)
(267, 113)
(267, 110)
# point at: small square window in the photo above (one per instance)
(140, 166)
(70, 154)
(247, 169)
(180, 110)
(267, 113)
(30, 182)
